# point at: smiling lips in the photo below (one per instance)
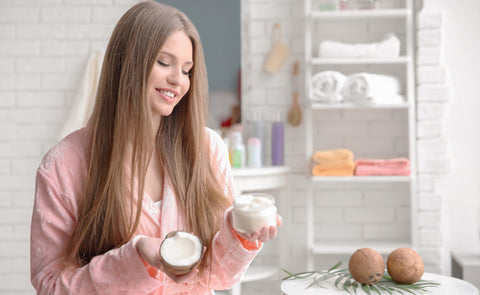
(167, 95)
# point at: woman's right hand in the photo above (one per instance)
(149, 250)
(264, 234)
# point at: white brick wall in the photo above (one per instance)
(434, 161)
(44, 46)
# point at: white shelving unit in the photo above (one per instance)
(402, 12)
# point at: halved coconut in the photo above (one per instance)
(181, 252)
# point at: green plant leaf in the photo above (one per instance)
(348, 286)
(338, 280)
(340, 263)
(366, 288)
(385, 289)
(299, 275)
(341, 279)
(375, 289)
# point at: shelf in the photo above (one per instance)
(328, 106)
(350, 247)
(359, 14)
(254, 172)
(360, 61)
(264, 178)
(255, 273)
(361, 179)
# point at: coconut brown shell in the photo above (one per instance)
(366, 266)
(176, 269)
(405, 266)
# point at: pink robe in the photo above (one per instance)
(60, 178)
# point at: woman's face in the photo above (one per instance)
(169, 80)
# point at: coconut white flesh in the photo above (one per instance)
(182, 249)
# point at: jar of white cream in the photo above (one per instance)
(253, 211)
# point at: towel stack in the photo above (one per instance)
(396, 166)
(388, 47)
(336, 162)
(357, 88)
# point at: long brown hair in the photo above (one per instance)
(122, 137)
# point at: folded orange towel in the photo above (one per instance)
(345, 169)
(332, 156)
(395, 166)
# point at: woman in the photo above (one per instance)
(144, 165)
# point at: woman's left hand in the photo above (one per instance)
(149, 250)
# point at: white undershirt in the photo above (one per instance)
(158, 204)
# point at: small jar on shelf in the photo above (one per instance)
(356, 4)
(365, 4)
(328, 5)
(344, 4)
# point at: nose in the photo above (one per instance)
(174, 76)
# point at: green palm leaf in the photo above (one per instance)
(341, 279)
(366, 288)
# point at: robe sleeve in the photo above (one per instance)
(54, 217)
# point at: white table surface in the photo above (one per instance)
(448, 286)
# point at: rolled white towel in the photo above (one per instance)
(388, 47)
(326, 86)
(371, 88)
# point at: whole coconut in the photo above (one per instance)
(405, 266)
(366, 266)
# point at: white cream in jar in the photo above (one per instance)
(253, 211)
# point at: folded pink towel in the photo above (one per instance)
(396, 166)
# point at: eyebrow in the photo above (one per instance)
(174, 57)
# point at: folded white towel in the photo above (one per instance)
(326, 86)
(371, 88)
(388, 47)
(429, 38)
(430, 18)
(85, 98)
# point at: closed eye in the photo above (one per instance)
(164, 64)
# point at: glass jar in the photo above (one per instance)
(253, 211)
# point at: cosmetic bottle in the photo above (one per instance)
(254, 152)
(278, 143)
(236, 151)
(255, 127)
